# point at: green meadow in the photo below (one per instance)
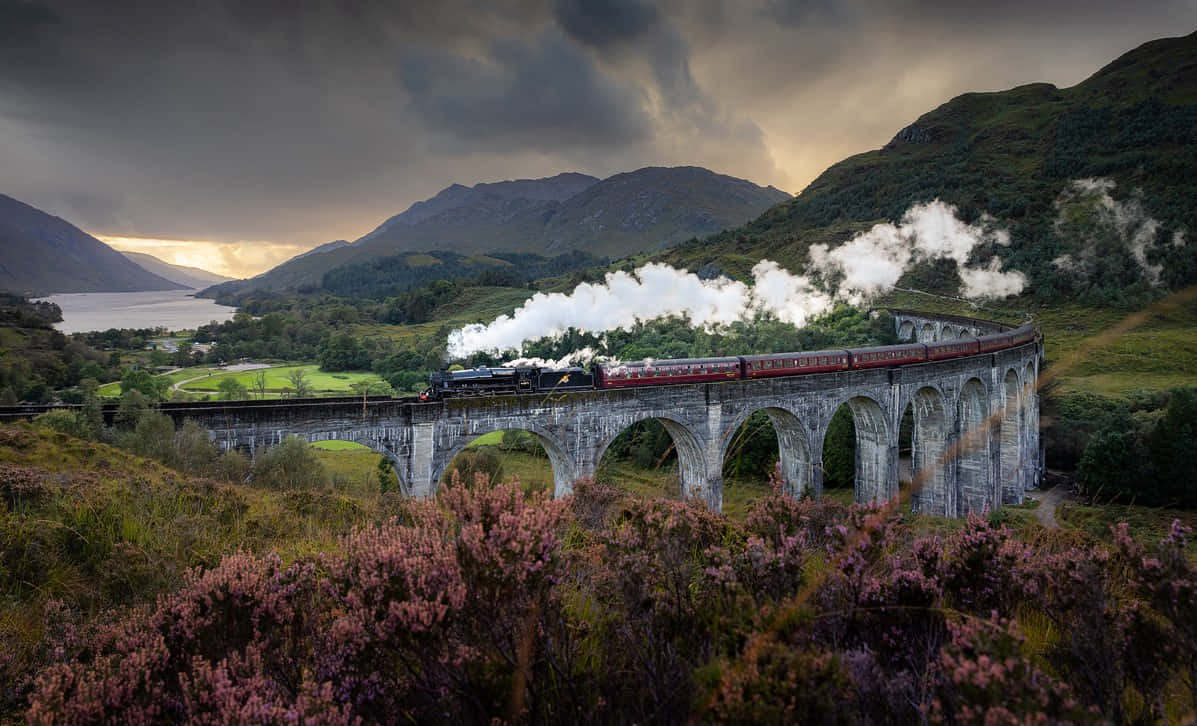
(277, 381)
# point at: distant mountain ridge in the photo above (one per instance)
(646, 209)
(549, 189)
(190, 277)
(41, 254)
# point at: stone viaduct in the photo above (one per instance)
(975, 434)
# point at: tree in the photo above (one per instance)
(300, 386)
(839, 450)
(1171, 445)
(154, 437)
(259, 383)
(343, 352)
(182, 356)
(292, 464)
(408, 381)
(133, 405)
(374, 387)
(231, 389)
(388, 481)
(1113, 460)
(471, 462)
(139, 379)
(63, 421)
(194, 451)
(92, 412)
(158, 358)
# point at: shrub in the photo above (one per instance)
(64, 421)
(293, 464)
(233, 466)
(469, 464)
(489, 604)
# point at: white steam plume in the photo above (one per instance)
(576, 358)
(1127, 221)
(868, 264)
(872, 262)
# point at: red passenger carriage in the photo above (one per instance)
(793, 364)
(953, 348)
(680, 370)
(889, 355)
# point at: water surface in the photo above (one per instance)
(171, 309)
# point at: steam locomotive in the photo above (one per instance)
(534, 379)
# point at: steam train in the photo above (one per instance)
(534, 379)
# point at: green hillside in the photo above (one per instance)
(1011, 155)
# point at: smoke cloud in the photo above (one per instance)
(869, 264)
(578, 357)
(1087, 209)
(872, 262)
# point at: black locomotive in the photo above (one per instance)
(496, 381)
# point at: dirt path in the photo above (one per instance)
(238, 367)
(179, 385)
(1049, 500)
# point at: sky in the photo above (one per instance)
(233, 134)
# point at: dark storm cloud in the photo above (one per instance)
(543, 94)
(302, 122)
(620, 30)
(604, 24)
(21, 19)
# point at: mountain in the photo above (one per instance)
(1013, 155)
(41, 254)
(641, 210)
(455, 196)
(647, 209)
(190, 277)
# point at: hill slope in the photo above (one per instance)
(42, 254)
(1013, 155)
(641, 210)
(191, 277)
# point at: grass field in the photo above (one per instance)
(494, 438)
(1148, 523)
(276, 380)
(340, 446)
(114, 389)
(353, 471)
